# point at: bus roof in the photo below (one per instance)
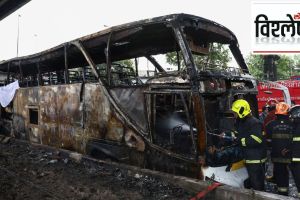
(132, 40)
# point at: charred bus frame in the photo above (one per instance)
(103, 109)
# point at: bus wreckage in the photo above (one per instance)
(82, 96)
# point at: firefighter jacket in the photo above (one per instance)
(251, 140)
(280, 131)
(296, 144)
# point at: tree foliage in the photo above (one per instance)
(127, 63)
(256, 66)
(285, 64)
(218, 57)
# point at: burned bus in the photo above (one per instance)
(83, 96)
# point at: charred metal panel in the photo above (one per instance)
(115, 129)
(24, 100)
(58, 116)
(200, 122)
(131, 101)
(159, 160)
(61, 115)
(98, 112)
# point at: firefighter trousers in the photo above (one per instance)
(256, 175)
(295, 169)
(281, 177)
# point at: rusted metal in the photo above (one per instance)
(200, 123)
(88, 101)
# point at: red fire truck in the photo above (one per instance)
(283, 90)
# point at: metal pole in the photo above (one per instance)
(18, 34)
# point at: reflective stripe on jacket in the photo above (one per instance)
(296, 144)
(251, 140)
(281, 132)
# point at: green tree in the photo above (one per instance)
(256, 66)
(218, 57)
(127, 63)
(296, 67)
(284, 66)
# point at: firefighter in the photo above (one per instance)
(263, 114)
(251, 142)
(271, 106)
(295, 147)
(280, 132)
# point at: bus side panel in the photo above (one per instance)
(97, 112)
(61, 116)
(70, 116)
(25, 105)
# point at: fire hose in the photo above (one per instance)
(223, 136)
(203, 193)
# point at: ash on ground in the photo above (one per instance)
(30, 172)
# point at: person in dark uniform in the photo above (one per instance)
(251, 142)
(280, 132)
(263, 114)
(295, 147)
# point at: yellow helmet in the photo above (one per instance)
(241, 107)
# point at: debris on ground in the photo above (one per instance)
(32, 172)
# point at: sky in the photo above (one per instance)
(47, 23)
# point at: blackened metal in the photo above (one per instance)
(136, 67)
(108, 59)
(198, 100)
(21, 71)
(8, 73)
(50, 78)
(187, 56)
(130, 100)
(39, 78)
(82, 101)
(178, 60)
(155, 63)
(9, 6)
(189, 121)
(213, 31)
(66, 64)
(106, 93)
(87, 57)
(238, 56)
(84, 74)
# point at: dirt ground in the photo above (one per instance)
(30, 172)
